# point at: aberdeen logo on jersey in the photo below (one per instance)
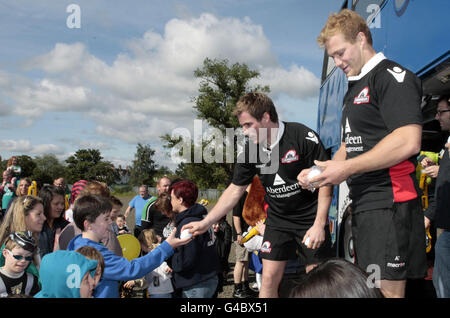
(290, 156)
(363, 97)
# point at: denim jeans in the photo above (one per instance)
(441, 272)
(203, 289)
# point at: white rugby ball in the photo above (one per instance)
(307, 242)
(185, 234)
(315, 171)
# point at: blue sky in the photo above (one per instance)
(126, 75)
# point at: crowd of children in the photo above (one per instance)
(58, 246)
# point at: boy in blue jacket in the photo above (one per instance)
(91, 215)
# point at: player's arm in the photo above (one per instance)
(396, 147)
(227, 201)
(316, 233)
(323, 205)
(341, 154)
(302, 177)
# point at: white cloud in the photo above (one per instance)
(132, 127)
(94, 145)
(63, 58)
(296, 82)
(146, 91)
(25, 146)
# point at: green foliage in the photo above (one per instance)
(221, 86)
(220, 89)
(164, 171)
(206, 176)
(25, 162)
(143, 168)
(47, 168)
(121, 189)
(87, 164)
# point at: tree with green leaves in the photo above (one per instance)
(27, 164)
(88, 164)
(143, 168)
(47, 169)
(221, 86)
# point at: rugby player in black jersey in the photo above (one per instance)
(296, 218)
(381, 136)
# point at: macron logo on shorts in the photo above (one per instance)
(265, 248)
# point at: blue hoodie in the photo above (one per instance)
(119, 268)
(57, 271)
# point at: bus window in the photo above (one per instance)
(328, 66)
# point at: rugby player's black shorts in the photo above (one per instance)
(392, 239)
(284, 244)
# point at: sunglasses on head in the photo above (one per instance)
(20, 257)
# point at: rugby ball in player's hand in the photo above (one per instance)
(307, 241)
(185, 234)
(314, 172)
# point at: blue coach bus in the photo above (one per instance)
(414, 33)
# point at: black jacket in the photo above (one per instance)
(47, 235)
(196, 261)
(442, 195)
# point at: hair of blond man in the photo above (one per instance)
(96, 188)
(148, 238)
(256, 104)
(14, 220)
(348, 23)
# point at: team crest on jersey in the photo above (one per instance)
(363, 96)
(265, 248)
(290, 156)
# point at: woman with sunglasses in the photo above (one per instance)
(18, 254)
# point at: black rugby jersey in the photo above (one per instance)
(289, 206)
(384, 97)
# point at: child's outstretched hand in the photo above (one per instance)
(176, 242)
